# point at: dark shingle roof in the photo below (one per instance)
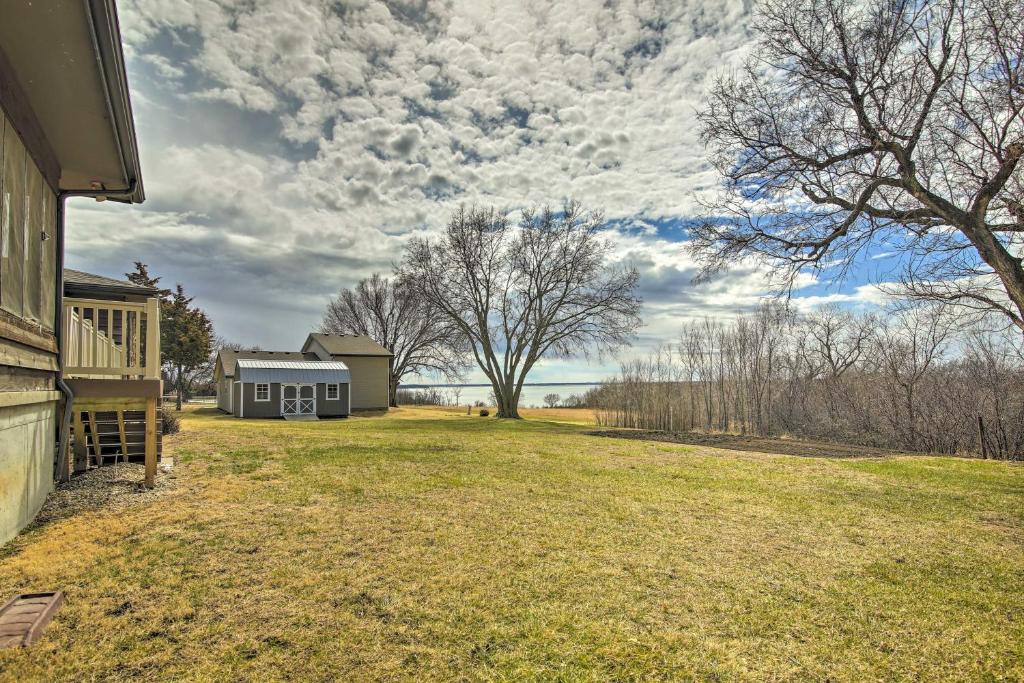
(349, 345)
(80, 281)
(229, 356)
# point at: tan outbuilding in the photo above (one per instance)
(368, 362)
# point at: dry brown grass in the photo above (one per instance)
(431, 545)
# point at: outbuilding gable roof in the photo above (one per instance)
(347, 345)
(228, 358)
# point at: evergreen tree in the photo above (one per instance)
(186, 341)
(142, 277)
(186, 333)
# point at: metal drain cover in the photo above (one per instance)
(23, 617)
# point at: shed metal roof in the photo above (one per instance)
(291, 371)
(291, 364)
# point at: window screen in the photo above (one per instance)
(32, 237)
(12, 223)
(48, 246)
(27, 242)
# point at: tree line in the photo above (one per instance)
(916, 379)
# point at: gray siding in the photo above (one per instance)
(260, 409)
(325, 408)
(272, 408)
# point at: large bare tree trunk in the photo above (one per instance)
(518, 296)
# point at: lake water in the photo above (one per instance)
(531, 397)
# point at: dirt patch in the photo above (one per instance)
(110, 487)
(755, 444)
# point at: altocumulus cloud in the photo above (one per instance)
(291, 147)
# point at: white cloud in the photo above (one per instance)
(291, 147)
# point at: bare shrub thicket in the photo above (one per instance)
(429, 396)
(911, 379)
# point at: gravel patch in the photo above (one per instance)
(111, 487)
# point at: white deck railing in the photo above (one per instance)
(107, 339)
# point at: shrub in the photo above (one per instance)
(484, 412)
(171, 422)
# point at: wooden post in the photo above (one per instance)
(95, 337)
(81, 455)
(81, 337)
(153, 338)
(97, 449)
(124, 438)
(150, 443)
(981, 438)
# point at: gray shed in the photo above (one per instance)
(290, 389)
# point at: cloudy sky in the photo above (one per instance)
(291, 147)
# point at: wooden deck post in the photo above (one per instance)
(153, 338)
(81, 454)
(124, 437)
(94, 432)
(150, 443)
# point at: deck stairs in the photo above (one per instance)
(110, 436)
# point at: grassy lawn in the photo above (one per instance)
(431, 545)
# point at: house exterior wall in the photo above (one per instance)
(26, 463)
(369, 381)
(28, 359)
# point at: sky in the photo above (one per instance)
(291, 147)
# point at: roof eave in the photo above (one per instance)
(110, 289)
(365, 355)
(110, 58)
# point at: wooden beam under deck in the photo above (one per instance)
(114, 390)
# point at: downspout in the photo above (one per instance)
(69, 396)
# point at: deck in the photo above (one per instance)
(111, 364)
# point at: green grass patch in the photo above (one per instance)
(427, 544)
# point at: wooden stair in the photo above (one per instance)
(117, 419)
(111, 436)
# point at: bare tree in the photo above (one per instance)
(837, 340)
(914, 379)
(552, 400)
(518, 295)
(910, 342)
(886, 121)
(396, 316)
